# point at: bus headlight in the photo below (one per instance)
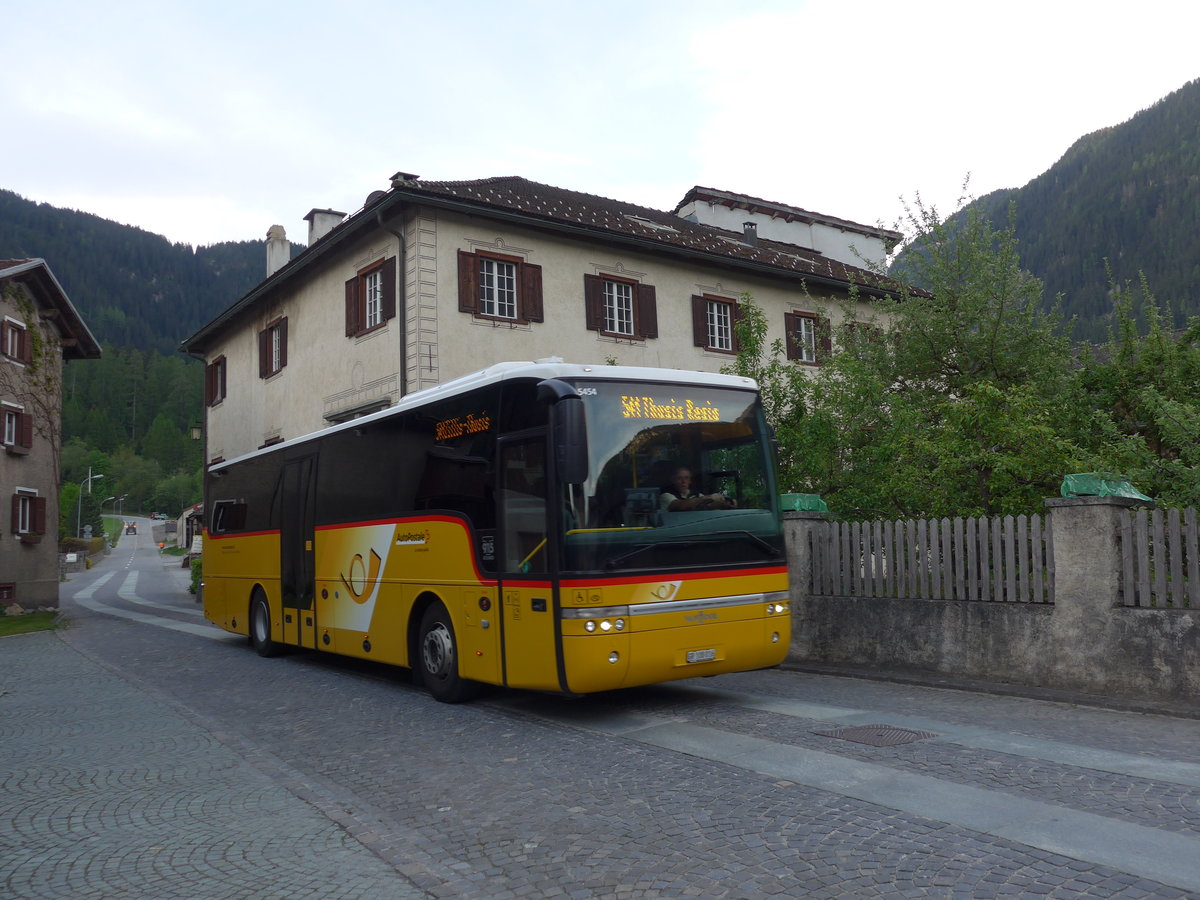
(589, 626)
(613, 657)
(776, 608)
(620, 624)
(606, 625)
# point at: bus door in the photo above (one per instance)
(526, 587)
(296, 570)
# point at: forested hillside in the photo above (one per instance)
(133, 288)
(1128, 195)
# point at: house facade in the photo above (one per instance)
(39, 330)
(431, 280)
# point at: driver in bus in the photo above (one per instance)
(679, 496)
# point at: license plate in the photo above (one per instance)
(694, 656)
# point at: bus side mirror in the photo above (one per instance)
(570, 440)
(568, 430)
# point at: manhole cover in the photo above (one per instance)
(878, 735)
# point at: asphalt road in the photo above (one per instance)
(150, 755)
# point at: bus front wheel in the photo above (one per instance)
(260, 627)
(438, 658)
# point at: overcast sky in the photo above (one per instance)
(208, 120)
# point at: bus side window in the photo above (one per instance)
(228, 516)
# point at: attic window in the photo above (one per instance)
(657, 226)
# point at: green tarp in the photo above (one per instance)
(1100, 484)
(802, 503)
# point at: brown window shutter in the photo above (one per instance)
(699, 321)
(222, 372)
(15, 525)
(789, 329)
(388, 281)
(531, 293)
(263, 365)
(25, 430)
(26, 346)
(38, 525)
(353, 325)
(647, 301)
(735, 317)
(283, 341)
(824, 339)
(593, 302)
(468, 282)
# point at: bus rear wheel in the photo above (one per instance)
(437, 655)
(260, 627)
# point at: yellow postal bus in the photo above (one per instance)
(510, 528)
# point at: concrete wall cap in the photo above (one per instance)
(1122, 502)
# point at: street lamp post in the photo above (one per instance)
(79, 505)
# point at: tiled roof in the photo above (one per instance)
(557, 205)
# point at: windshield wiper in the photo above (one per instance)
(768, 549)
(763, 545)
(615, 561)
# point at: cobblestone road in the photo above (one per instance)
(148, 755)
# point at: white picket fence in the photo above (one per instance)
(1160, 558)
(1008, 560)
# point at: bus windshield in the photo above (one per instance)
(680, 476)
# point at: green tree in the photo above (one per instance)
(165, 444)
(1143, 393)
(954, 406)
(135, 478)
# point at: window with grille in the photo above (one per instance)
(272, 348)
(713, 321)
(499, 287)
(373, 290)
(371, 298)
(16, 429)
(14, 341)
(808, 338)
(620, 307)
(28, 513)
(720, 326)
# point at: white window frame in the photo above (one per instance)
(497, 288)
(373, 299)
(805, 337)
(618, 307)
(719, 315)
(25, 498)
(12, 423)
(13, 334)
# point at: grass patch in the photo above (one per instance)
(40, 621)
(176, 551)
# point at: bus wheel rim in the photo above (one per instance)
(438, 651)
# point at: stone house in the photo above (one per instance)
(432, 280)
(39, 331)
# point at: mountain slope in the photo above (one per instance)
(1129, 194)
(133, 288)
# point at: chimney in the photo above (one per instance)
(321, 222)
(750, 233)
(279, 251)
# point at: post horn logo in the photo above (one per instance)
(363, 577)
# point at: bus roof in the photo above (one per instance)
(551, 367)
